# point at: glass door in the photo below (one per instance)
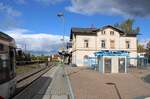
(107, 65)
(121, 65)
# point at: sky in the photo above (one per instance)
(35, 23)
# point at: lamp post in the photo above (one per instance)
(61, 16)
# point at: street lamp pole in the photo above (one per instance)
(61, 15)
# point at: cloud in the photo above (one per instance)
(132, 8)
(49, 1)
(40, 42)
(9, 16)
(8, 10)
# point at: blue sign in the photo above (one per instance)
(112, 53)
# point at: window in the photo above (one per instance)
(112, 44)
(1, 47)
(86, 43)
(103, 32)
(127, 44)
(111, 32)
(4, 68)
(102, 43)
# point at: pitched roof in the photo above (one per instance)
(88, 31)
(5, 36)
(120, 30)
(115, 28)
(85, 31)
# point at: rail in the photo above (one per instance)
(27, 78)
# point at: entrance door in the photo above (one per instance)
(86, 62)
(121, 65)
(107, 65)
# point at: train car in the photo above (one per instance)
(7, 66)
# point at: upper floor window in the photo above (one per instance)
(127, 44)
(112, 44)
(111, 32)
(103, 45)
(86, 43)
(103, 32)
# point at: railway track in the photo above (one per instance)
(23, 83)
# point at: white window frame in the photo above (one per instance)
(103, 44)
(129, 44)
(86, 43)
(112, 33)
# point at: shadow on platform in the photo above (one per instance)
(35, 90)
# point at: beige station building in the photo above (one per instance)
(87, 41)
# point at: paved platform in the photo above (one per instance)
(90, 84)
(58, 89)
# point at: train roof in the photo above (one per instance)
(5, 36)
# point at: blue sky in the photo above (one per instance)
(28, 18)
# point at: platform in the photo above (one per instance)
(90, 84)
(57, 89)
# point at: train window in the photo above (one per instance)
(3, 60)
(4, 68)
(1, 63)
(1, 47)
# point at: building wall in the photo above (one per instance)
(80, 42)
(107, 37)
(78, 57)
(95, 45)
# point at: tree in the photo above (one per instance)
(140, 48)
(127, 26)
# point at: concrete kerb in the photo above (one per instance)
(47, 92)
(69, 84)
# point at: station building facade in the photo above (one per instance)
(87, 41)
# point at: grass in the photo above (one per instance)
(26, 68)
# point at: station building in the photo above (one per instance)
(88, 41)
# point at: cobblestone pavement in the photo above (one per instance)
(59, 88)
(139, 72)
(90, 84)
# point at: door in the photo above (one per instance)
(107, 65)
(86, 61)
(121, 65)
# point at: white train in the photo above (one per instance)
(7, 66)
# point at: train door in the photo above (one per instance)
(12, 61)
